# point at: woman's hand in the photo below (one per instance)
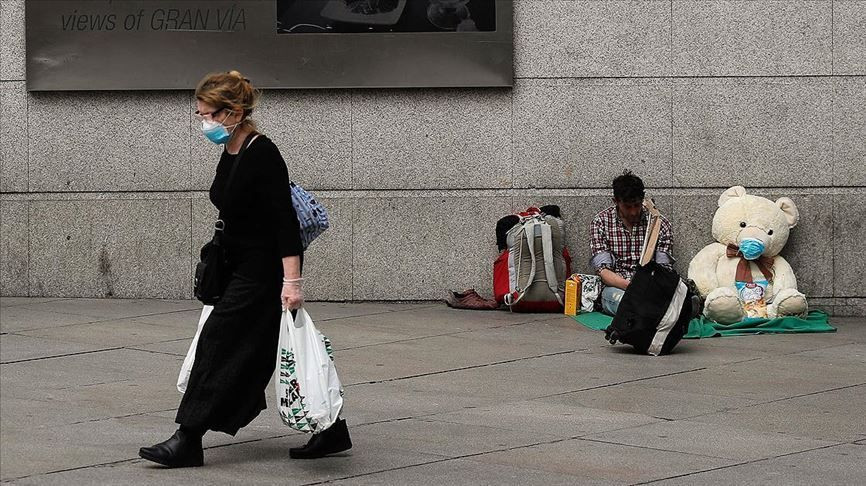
(292, 297)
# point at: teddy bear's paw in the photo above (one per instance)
(723, 306)
(788, 302)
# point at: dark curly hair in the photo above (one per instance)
(628, 187)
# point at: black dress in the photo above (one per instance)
(237, 348)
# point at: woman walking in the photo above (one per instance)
(237, 347)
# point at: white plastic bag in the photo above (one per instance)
(309, 394)
(186, 367)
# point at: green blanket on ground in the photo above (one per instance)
(701, 327)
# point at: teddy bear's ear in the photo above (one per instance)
(736, 191)
(792, 215)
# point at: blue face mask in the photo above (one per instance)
(751, 248)
(216, 132)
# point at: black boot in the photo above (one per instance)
(329, 441)
(183, 449)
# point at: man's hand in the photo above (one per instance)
(612, 279)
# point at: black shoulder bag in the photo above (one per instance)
(212, 272)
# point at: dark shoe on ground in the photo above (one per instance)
(469, 299)
(332, 440)
(697, 302)
(181, 450)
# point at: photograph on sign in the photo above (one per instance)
(360, 16)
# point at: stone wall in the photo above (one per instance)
(104, 193)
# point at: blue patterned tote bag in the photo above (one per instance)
(312, 216)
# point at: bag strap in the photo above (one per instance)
(247, 142)
(651, 238)
(528, 231)
(549, 268)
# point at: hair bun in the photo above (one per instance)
(238, 75)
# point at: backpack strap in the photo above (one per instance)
(528, 230)
(549, 268)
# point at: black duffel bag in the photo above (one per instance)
(655, 310)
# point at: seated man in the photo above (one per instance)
(616, 238)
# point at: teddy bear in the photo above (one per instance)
(742, 274)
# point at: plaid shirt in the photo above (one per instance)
(615, 247)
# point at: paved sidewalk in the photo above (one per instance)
(440, 396)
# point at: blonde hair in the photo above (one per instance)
(229, 90)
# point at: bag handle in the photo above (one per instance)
(651, 238)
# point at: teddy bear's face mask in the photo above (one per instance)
(752, 248)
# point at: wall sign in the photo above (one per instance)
(171, 44)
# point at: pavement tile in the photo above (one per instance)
(92, 369)
(842, 464)
(649, 401)
(175, 347)
(368, 454)
(117, 333)
(544, 336)
(526, 332)
(767, 378)
(547, 418)
(369, 403)
(88, 403)
(543, 376)
(24, 318)
(435, 354)
(440, 319)
(34, 449)
(833, 415)
(183, 319)
(15, 347)
(596, 461)
(688, 354)
(343, 310)
(854, 352)
(115, 308)
(92, 386)
(778, 343)
(432, 436)
(344, 334)
(730, 442)
(850, 326)
(469, 473)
